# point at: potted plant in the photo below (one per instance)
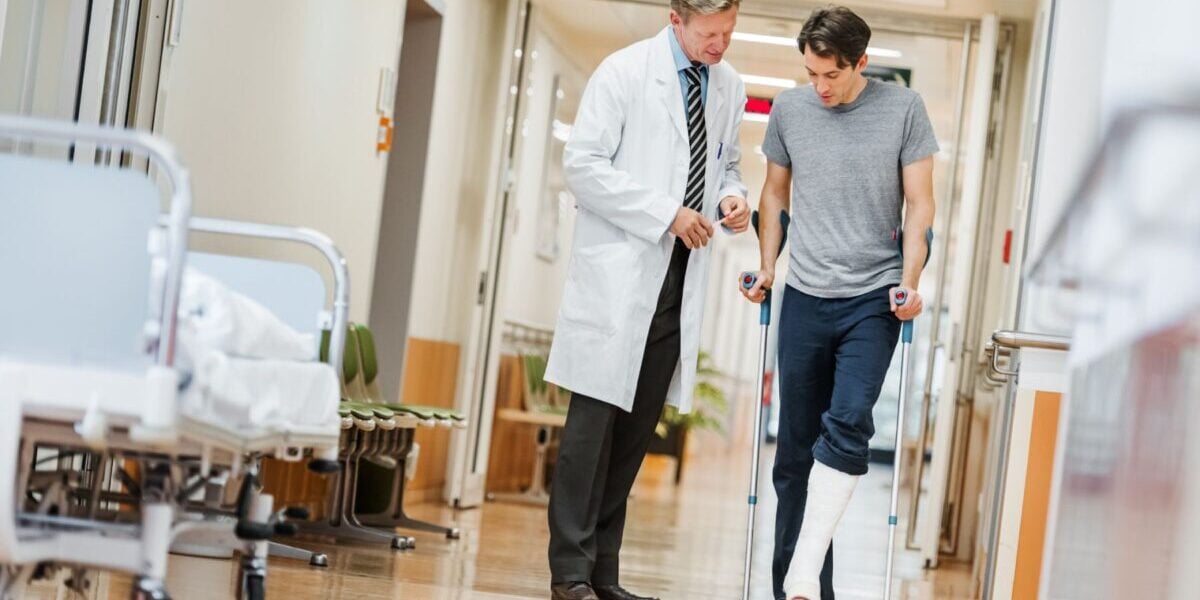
(709, 406)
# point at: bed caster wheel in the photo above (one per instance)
(319, 560)
(296, 513)
(324, 467)
(149, 590)
(403, 542)
(255, 588)
(453, 534)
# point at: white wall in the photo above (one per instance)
(1102, 57)
(1070, 129)
(459, 173)
(534, 283)
(273, 106)
(1152, 53)
(1105, 55)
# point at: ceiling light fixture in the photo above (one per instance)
(777, 40)
(770, 81)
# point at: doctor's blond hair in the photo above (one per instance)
(687, 8)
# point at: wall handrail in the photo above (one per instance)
(1024, 339)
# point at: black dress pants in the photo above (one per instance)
(602, 448)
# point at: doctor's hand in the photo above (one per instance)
(691, 227)
(737, 213)
(757, 293)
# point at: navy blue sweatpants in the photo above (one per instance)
(833, 357)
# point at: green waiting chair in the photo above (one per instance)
(366, 428)
(380, 494)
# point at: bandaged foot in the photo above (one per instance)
(829, 492)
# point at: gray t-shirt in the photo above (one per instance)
(847, 192)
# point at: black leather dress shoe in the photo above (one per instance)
(616, 592)
(576, 590)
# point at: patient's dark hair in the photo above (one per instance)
(835, 31)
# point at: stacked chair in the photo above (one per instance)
(395, 472)
(544, 406)
(377, 452)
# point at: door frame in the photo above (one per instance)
(476, 395)
(973, 191)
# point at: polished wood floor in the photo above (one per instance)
(682, 542)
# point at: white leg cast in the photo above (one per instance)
(829, 492)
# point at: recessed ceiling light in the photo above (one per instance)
(778, 40)
(884, 52)
(770, 81)
(758, 38)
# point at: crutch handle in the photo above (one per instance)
(748, 279)
(899, 297)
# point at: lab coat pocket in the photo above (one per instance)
(596, 286)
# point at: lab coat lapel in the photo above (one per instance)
(667, 76)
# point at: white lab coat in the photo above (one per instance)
(626, 163)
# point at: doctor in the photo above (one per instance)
(652, 161)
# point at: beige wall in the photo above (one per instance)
(273, 107)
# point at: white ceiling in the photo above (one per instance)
(592, 29)
(878, 10)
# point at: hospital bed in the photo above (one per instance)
(105, 441)
(295, 297)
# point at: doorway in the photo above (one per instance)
(411, 112)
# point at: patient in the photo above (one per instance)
(846, 154)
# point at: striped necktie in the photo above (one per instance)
(698, 140)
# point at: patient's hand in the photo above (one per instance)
(911, 308)
(757, 293)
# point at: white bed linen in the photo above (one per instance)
(214, 318)
(248, 393)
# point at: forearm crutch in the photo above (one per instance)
(899, 298)
(748, 279)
